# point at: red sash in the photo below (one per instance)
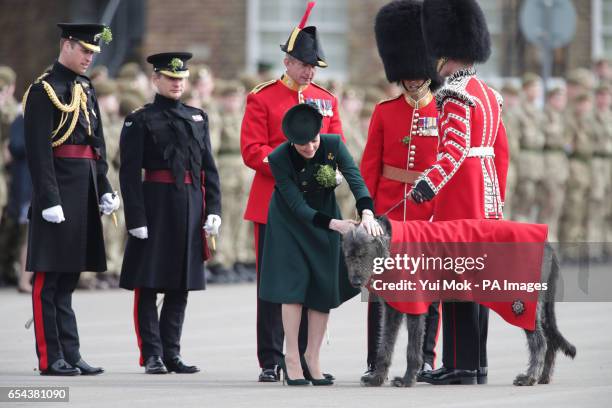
(75, 152)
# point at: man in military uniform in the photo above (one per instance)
(203, 85)
(554, 177)
(114, 228)
(532, 140)
(511, 117)
(67, 159)
(261, 133)
(169, 214)
(580, 138)
(234, 250)
(468, 179)
(601, 174)
(9, 226)
(402, 143)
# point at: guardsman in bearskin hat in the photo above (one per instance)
(261, 133)
(169, 213)
(67, 160)
(402, 139)
(468, 179)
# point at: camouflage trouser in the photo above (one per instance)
(511, 179)
(234, 242)
(530, 172)
(599, 206)
(573, 228)
(115, 239)
(552, 192)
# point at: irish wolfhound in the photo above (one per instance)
(360, 249)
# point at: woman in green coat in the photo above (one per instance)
(302, 264)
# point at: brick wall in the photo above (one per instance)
(30, 37)
(214, 30)
(364, 62)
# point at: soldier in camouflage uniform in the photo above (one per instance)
(552, 193)
(9, 227)
(530, 163)
(114, 235)
(511, 118)
(598, 228)
(8, 111)
(234, 249)
(580, 136)
(351, 105)
(202, 83)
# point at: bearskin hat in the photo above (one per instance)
(456, 29)
(401, 45)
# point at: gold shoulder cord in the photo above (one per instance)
(78, 103)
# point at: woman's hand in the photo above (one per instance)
(370, 224)
(341, 226)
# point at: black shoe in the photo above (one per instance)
(481, 375)
(446, 376)
(425, 369)
(86, 369)
(176, 364)
(309, 377)
(270, 374)
(155, 365)
(289, 381)
(61, 367)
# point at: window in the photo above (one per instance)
(602, 29)
(271, 21)
(493, 11)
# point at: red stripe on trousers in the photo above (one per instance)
(136, 325)
(39, 327)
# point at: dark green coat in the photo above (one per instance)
(302, 260)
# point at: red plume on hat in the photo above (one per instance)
(303, 43)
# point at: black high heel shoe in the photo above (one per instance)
(299, 381)
(308, 376)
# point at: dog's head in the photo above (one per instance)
(360, 249)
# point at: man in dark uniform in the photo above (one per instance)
(169, 213)
(67, 160)
(261, 133)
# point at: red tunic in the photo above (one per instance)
(404, 137)
(469, 177)
(261, 133)
(477, 231)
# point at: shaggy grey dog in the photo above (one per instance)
(360, 249)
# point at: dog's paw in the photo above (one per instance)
(402, 382)
(544, 380)
(524, 379)
(372, 380)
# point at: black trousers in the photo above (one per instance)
(159, 335)
(466, 327)
(55, 326)
(270, 334)
(432, 324)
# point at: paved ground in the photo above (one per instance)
(219, 336)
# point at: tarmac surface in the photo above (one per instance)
(219, 337)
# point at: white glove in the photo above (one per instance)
(212, 224)
(339, 177)
(370, 224)
(140, 232)
(109, 203)
(54, 214)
